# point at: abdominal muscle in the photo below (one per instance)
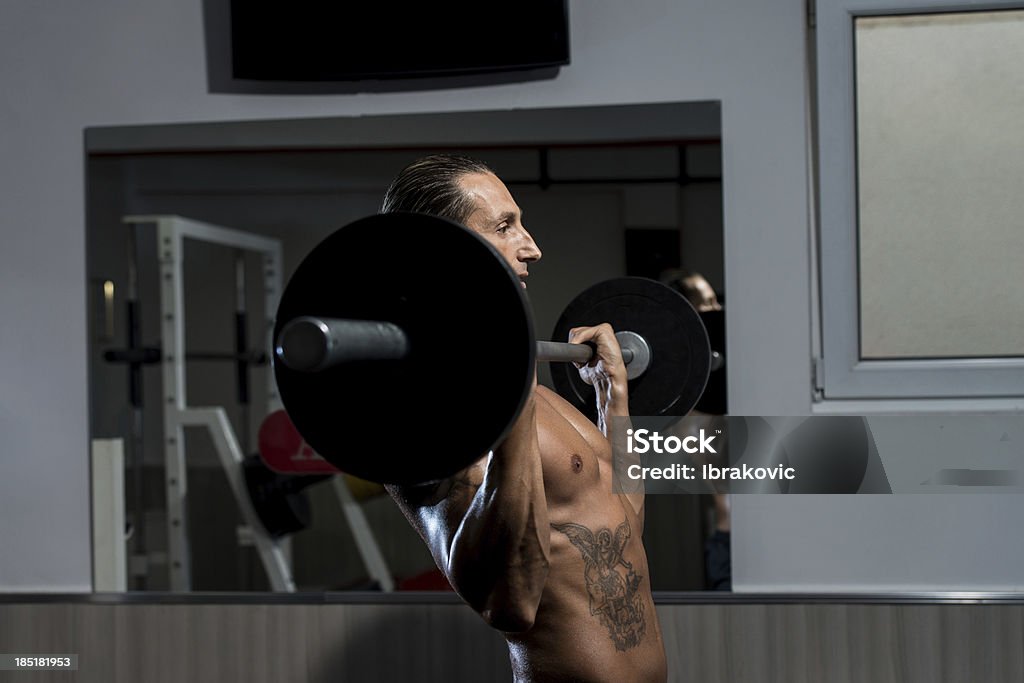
(569, 641)
(596, 619)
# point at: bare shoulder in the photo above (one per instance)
(567, 411)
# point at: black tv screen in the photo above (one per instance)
(325, 40)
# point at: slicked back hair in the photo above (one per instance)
(430, 185)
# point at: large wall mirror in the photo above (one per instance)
(606, 192)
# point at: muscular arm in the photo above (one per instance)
(607, 373)
(489, 533)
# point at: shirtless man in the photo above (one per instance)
(531, 535)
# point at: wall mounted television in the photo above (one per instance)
(340, 40)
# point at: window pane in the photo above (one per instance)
(940, 145)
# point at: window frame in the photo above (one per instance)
(843, 374)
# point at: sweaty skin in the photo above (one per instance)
(531, 535)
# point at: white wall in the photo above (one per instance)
(67, 66)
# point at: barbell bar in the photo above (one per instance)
(313, 344)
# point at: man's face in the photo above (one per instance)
(496, 217)
(701, 294)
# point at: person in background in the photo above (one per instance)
(717, 561)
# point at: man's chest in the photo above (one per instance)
(574, 457)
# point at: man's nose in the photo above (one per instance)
(529, 251)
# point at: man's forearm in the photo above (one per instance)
(613, 402)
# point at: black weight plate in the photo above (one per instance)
(680, 354)
(435, 412)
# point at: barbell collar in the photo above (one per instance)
(717, 361)
(636, 353)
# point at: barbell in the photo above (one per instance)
(313, 344)
(404, 347)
